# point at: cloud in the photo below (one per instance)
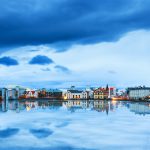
(46, 69)
(62, 69)
(112, 72)
(40, 60)
(70, 22)
(8, 61)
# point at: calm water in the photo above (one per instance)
(81, 125)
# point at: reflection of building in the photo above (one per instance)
(140, 108)
(76, 103)
(138, 92)
(101, 106)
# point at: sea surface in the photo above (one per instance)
(74, 125)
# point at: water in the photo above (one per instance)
(81, 125)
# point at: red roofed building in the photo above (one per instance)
(112, 92)
(104, 93)
(31, 93)
(101, 93)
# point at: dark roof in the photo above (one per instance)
(53, 90)
(139, 88)
(75, 91)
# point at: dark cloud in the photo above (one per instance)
(40, 60)
(112, 72)
(46, 69)
(62, 69)
(36, 50)
(8, 61)
(69, 21)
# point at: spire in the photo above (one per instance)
(107, 88)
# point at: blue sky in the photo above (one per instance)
(63, 42)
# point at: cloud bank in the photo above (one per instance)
(8, 61)
(40, 60)
(53, 22)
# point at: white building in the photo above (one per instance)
(75, 94)
(72, 94)
(12, 93)
(138, 92)
(90, 93)
(112, 92)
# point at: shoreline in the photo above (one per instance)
(62, 100)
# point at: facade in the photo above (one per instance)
(76, 94)
(50, 93)
(0, 94)
(54, 93)
(29, 93)
(73, 94)
(112, 92)
(101, 93)
(90, 93)
(12, 93)
(20, 92)
(42, 93)
(138, 92)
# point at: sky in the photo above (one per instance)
(59, 43)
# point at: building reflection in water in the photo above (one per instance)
(140, 108)
(76, 105)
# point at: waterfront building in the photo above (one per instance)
(74, 93)
(50, 93)
(42, 93)
(0, 94)
(54, 93)
(5, 99)
(20, 92)
(112, 92)
(138, 92)
(101, 93)
(90, 93)
(12, 93)
(31, 93)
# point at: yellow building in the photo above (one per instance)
(101, 93)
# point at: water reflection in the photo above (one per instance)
(76, 105)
